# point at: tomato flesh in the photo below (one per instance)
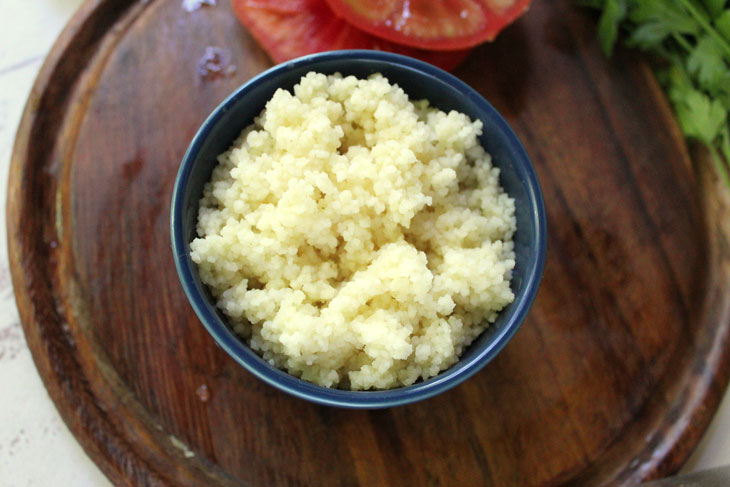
(431, 24)
(292, 28)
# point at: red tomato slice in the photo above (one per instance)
(287, 29)
(431, 24)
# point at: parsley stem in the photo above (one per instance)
(705, 25)
(682, 41)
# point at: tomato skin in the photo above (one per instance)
(432, 24)
(293, 28)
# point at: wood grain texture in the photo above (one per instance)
(611, 380)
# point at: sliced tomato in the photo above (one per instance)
(431, 24)
(287, 29)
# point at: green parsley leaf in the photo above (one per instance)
(692, 38)
(649, 35)
(699, 117)
(706, 63)
(613, 13)
(722, 24)
(669, 14)
(714, 7)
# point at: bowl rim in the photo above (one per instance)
(280, 379)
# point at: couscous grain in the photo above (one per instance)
(354, 238)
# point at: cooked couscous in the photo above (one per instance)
(354, 238)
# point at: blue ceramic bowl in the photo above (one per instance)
(419, 80)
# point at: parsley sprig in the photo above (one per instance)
(692, 40)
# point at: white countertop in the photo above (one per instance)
(36, 448)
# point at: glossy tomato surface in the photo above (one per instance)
(431, 24)
(288, 29)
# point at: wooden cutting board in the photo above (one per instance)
(611, 380)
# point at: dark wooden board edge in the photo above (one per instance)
(109, 444)
(84, 400)
(691, 408)
(53, 352)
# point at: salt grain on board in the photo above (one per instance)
(215, 62)
(203, 393)
(193, 5)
